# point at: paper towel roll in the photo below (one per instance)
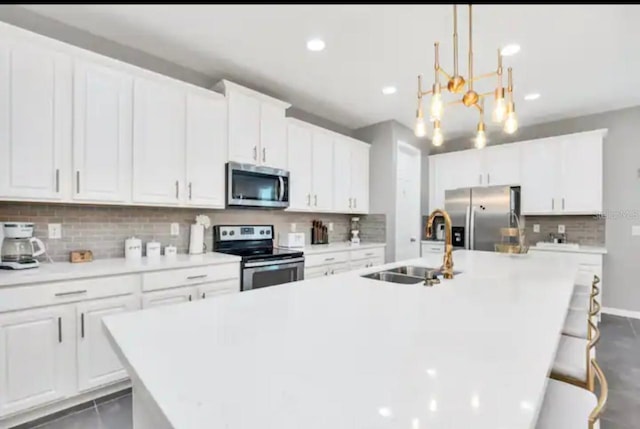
(196, 239)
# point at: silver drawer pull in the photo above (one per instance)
(201, 276)
(329, 259)
(75, 292)
(369, 254)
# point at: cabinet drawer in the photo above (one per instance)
(189, 276)
(63, 292)
(326, 258)
(432, 247)
(209, 290)
(367, 253)
(315, 272)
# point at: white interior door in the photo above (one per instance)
(407, 202)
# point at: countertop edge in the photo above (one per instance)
(595, 250)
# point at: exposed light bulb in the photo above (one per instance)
(511, 121)
(499, 110)
(481, 139)
(437, 138)
(436, 106)
(421, 127)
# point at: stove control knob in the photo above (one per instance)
(268, 232)
(232, 232)
(224, 232)
(262, 232)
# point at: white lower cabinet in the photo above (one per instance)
(432, 247)
(98, 364)
(37, 357)
(342, 261)
(223, 287)
(169, 296)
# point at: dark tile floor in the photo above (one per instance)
(618, 353)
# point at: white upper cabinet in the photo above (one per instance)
(273, 136)
(300, 166)
(102, 120)
(342, 196)
(158, 143)
(35, 121)
(321, 167)
(563, 175)
(257, 126)
(360, 177)
(206, 150)
(500, 165)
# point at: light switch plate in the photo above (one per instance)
(330, 226)
(635, 230)
(294, 227)
(175, 228)
(536, 227)
(560, 229)
(55, 231)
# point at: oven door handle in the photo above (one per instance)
(281, 193)
(274, 262)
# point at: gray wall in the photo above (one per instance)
(383, 137)
(621, 193)
(32, 21)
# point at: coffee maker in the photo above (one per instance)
(19, 246)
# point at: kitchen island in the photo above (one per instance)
(345, 352)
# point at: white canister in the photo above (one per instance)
(170, 251)
(153, 249)
(133, 249)
(196, 239)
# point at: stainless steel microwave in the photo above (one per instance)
(251, 185)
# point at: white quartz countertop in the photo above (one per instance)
(56, 271)
(346, 352)
(313, 249)
(552, 247)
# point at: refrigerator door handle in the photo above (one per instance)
(472, 232)
(467, 228)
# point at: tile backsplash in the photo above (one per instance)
(103, 229)
(587, 230)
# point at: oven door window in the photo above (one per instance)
(255, 278)
(247, 185)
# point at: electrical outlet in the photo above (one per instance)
(635, 230)
(536, 227)
(175, 228)
(560, 229)
(330, 226)
(293, 227)
(55, 231)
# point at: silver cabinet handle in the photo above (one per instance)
(177, 189)
(355, 203)
(329, 259)
(255, 153)
(75, 292)
(59, 329)
(190, 190)
(333, 272)
(562, 203)
(488, 179)
(371, 254)
(201, 276)
(480, 178)
(315, 200)
(204, 295)
(413, 240)
(82, 325)
(553, 204)
(349, 202)
(264, 154)
(189, 297)
(77, 181)
(57, 180)
(308, 199)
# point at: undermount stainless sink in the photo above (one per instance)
(388, 276)
(405, 275)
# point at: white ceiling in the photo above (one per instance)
(570, 54)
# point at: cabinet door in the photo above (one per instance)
(465, 169)
(315, 272)
(342, 177)
(501, 165)
(35, 122)
(102, 122)
(541, 164)
(300, 168)
(98, 364)
(158, 143)
(436, 188)
(273, 136)
(244, 128)
(213, 289)
(360, 177)
(206, 151)
(322, 171)
(339, 268)
(581, 174)
(358, 265)
(37, 357)
(168, 297)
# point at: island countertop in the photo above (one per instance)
(346, 352)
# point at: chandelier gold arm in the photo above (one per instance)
(453, 103)
(455, 40)
(470, 49)
(485, 76)
(479, 107)
(445, 74)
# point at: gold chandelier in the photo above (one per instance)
(504, 111)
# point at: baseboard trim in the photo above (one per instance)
(621, 312)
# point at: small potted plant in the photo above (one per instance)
(196, 239)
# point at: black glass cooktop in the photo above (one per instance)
(262, 253)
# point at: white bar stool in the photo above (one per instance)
(576, 323)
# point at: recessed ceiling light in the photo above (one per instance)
(532, 96)
(511, 49)
(315, 45)
(388, 90)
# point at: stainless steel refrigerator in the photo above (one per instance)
(477, 214)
